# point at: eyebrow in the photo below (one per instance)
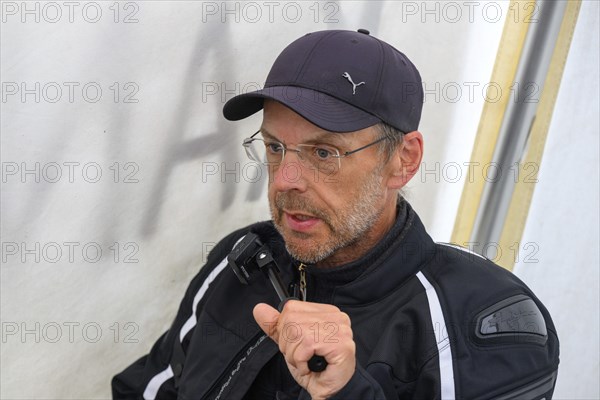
(336, 137)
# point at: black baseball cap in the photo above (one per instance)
(341, 81)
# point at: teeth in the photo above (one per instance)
(302, 217)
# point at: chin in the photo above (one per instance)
(305, 257)
(303, 247)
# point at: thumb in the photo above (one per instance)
(266, 317)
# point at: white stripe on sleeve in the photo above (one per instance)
(156, 382)
(160, 378)
(191, 322)
(443, 341)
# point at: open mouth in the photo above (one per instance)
(299, 221)
(302, 217)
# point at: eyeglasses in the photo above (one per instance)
(323, 157)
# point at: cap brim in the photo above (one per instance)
(323, 110)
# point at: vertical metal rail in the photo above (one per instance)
(518, 120)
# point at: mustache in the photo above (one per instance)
(291, 201)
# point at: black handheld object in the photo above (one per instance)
(250, 255)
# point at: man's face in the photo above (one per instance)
(322, 215)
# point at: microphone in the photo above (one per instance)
(250, 255)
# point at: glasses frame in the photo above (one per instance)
(339, 156)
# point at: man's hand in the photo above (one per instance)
(304, 329)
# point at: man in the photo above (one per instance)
(394, 315)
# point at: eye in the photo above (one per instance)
(274, 147)
(324, 153)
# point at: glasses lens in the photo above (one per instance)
(255, 150)
(324, 158)
(264, 153)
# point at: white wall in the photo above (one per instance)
(172, 198)
(561, 234)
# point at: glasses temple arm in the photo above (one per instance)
(365, 146)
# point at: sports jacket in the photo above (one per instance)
(430, 321)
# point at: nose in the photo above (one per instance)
(291, 174)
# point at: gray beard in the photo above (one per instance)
(347, 226)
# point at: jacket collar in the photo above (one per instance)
(400, 255)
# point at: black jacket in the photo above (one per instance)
(430, 321)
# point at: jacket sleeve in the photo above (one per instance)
(377, 382)
(361, 386)
(153, 373)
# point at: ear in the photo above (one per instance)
(405, 162)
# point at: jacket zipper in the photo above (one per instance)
(301, 269)
(252, 344)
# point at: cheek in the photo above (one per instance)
(270, 187)
(271, 192)
(329, 192)
(337, 192)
